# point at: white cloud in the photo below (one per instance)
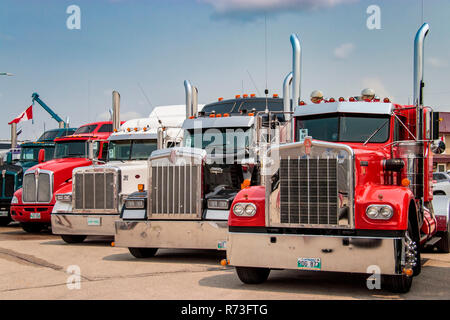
(124, 116)
(238, 9)
(437, 62)
(344, 50)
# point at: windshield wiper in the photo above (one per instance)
(376, 131)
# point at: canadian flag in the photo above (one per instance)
(24, 116)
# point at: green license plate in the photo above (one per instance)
(309, 263)
(94, 221)
(35, 215)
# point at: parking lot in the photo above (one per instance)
(34, 266)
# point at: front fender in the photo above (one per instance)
(255, 195)
(399, 198)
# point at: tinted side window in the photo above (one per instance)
(104, 151)
(105, 128)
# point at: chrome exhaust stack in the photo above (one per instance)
(286, 97)
(116, 110)
(418, 77)
(13, 135)
(191, 99)
(296, 69)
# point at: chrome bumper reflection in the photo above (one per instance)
(339, 254)
(84, 224)
(171, 234)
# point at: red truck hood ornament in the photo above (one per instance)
(307, 143)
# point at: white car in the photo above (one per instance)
(441, 183)
(441, 208)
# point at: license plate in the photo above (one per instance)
(94, 221)
(35, 215)
(4, 213)
(309, 263)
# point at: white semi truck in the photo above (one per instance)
(92, 202)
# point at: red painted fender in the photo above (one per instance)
(255, 195)
(399, 198)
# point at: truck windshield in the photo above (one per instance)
(345, 127)
(219, 140)
(31, 154)
(131, 149)
(73, 149)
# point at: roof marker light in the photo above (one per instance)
(341, 99)
(136, 129)
(352, 99)
(386, 100)
(245, 96)
(220, 99)
(237, 96)
(128, 129)
(251, 114)
(225, 115)
(331, 100)
(212, 115)
(275, 95)
(191, 117)
(302, 103)
(253, 95)
(218, 115)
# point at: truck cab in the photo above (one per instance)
(92, 202)
(12, 172)
(192, 187)
(32, 204)
(352, 194)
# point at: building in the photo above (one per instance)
(441, 162)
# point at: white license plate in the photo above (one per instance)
(4, 213)
(35, 215)
(309, 263)
(94, 221)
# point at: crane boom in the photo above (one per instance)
(61, 122)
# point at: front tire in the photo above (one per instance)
(396, 283)
(32, 227)
(73, 238)
(250, 275)
(4, 221)
(141, 253)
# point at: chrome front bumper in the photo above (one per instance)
(84, 224)
(171, 234)
(336, 253)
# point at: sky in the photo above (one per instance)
(146, 49)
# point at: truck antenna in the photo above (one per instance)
(149, 103)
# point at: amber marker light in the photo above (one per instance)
(140, 187)
(406, 182)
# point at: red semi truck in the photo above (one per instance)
(352, 194)
(33, 203)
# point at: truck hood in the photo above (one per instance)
(56, 165)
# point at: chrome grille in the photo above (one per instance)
(37, 189)
(175, 190)
(308, 191)
(96, 190)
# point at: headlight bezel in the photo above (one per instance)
(215, 204)
(14, 200)
(246, 209)
(374, 212)
(134, 203)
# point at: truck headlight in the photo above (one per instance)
(134, 204)
(218, 204)
(379, 212)
(14, 200)
(64, 197)
(244, 209)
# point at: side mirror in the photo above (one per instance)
(41, 156)
(9, 158)
(438, 146)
